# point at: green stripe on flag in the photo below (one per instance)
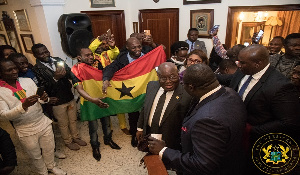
(89, 111)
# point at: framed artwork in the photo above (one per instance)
(28, 42)
(200, 1)
(3, 40)
(3, 2)
(203, 20)
(1, 26)
(102, 3)
(22, 20)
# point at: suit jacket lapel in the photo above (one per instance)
(45, 68)
(237, 79)
(258, 85)
(176, 97)
(203, 102)
(148, 104)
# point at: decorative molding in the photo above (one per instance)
(35, 3)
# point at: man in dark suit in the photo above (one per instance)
(270, 98)
(166, 116)
(212, 131)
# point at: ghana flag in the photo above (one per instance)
(128, 89)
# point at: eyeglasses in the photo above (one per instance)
(171, 78)
(194, 61)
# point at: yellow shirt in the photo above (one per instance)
(105, 57)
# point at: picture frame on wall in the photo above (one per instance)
(3, 2)
(102, 3)
(185, 2)
(22, 20)
(203, 20)
(3, 40)
(1, 26)
(28, 42)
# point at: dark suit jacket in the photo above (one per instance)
(173, 116)
(211, 137)
(62, 89)
(120, 62)
(272, 105)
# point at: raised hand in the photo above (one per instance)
(59, 73)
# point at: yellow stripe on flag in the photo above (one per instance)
(94, 88)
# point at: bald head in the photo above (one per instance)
(257, 53)
(253, 59)
(166, 65)
(139, 36)
(199, 75)
(199, 79)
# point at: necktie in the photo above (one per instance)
(192, 47)
(245, 85)
(157, 114)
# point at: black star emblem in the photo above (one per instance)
(125, 90)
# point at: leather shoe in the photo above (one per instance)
(112, 144)
(134, 141)
(96, 154)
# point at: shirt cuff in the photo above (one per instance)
(43, 102)
(139, 129)
(161, 152)
(21, 109)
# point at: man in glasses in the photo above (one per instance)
(165, 106)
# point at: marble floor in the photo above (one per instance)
(113, 162)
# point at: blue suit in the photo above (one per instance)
(211, 137)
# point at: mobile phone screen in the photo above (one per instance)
(108, 33)
(216, 27)
(147, 32)
(40, 91)
(259, 35)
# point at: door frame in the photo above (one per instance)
(121, 27)
(233, 9)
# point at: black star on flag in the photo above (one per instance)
(125, 90)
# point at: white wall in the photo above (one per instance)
(40, 22)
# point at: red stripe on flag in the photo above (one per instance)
(141, 66)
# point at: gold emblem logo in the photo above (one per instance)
(275, 153)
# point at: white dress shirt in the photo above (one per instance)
(160, 91)
(254, 80)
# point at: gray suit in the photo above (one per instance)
(198, 45)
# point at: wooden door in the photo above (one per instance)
(109, 19)
(163, 25)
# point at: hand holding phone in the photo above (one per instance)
(40, 91)
(258, 37)
(147, 32)
(108, 32)
(213, 31)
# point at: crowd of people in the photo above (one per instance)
(202, 116)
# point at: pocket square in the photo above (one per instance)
(183, 129)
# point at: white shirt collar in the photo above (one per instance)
(259, 74)
(210, 93)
